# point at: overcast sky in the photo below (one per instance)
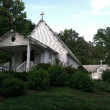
(84, 16)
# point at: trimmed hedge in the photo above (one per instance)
(38, 79)
(20, 75)
(12, 87)
(106, 75)
(58, 75)
(43, 66)
(81, 81)
(69, 70)
(4, 75)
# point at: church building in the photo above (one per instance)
(41, 46)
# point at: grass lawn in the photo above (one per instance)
(58, 98)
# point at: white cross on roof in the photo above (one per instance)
(101, 61)
(42, 14)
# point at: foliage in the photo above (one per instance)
(83, 70)
(103, 86)
(5, 20)
(11, 87)
(5, 57)
(106, 75)
(69, 70)
(20, 75)
(102, 40)
(58, 75)
(57, 61)
(4, 75)
(77, 45)
(44, 66)
(81, 81)
(38, 79)
(108, 80)
(12, 15)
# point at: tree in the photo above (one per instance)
(76, 44)
(5, 21)
(102, 42)
(12, 15)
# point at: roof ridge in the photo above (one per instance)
(63, 44)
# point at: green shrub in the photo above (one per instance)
(106, 75)
(108, 80)
(11, 87)
(3, 76)
(80, 68)
(43, 66)
(69, 70)
(81, 81)
(57, 61)
(38, 79)
(20, 75)
(58, 76)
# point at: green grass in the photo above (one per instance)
(103, 86)
(59, 98)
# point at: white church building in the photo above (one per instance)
(41, 46)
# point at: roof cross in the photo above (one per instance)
(101, 61)
(42, 14)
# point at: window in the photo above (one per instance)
(50, 56)
(13, 39)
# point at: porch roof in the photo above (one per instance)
(6, 43)
(36, 42)
(13, 38)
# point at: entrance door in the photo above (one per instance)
(24, 56)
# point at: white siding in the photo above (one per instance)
(71, 62)
(19, 40)
(46, 57)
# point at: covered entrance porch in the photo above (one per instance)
(24, 57)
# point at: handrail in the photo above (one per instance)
(6, 64)
(21, 65)
(21, 68)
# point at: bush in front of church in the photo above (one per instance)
(38, 79)
(4, 75)
(70, 70)
(82, 69)
(11, 87)
(106, 75)
(20, 75)
(58, 75)
(44, 66)
(81, 81)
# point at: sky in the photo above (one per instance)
(83, 16)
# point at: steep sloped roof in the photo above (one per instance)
(43, 31)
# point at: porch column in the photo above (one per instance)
(28, 57)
